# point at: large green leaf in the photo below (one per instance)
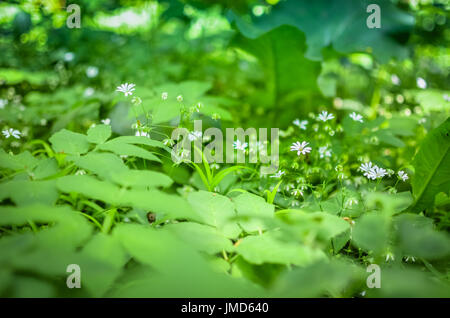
(69, 142)
(253, 212)
(215, 210)
(341, 23)
(281, 54)
(266, 248)
(432, 167)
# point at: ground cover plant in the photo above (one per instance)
(89, 184)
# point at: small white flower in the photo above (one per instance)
(278, 174)
(301, 148)
(126, 88)
(198, 107)
(324, 152)
(240, 146)
(88, 92)
(389, 256)
(376, 173)
(194, 135)
(356, 117)
(366, 167)
(215, 166)
(11, 132)
(69, 56)
(395, 79)
(106, 121)
(164, 95)
(180, 98)
(43, 122)
(80, 172)
(412, 258)
(295, 203)
(446, 97)
(325, 116)
(300, 123)
(350, 202)
(92, 71)
(168, 142)
(3, 103)
(421, 83)
(141, 134)
(403, 175)
(297, 192)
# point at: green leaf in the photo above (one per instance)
(432, 167)
(417, 237)
(22, 161)
(98, 134)
(128, 150)
(266, 248)
(201, 237)
(24, 192)
(140, 140)
(102, 164)
(215, 210)
(371, 232)
(65, 141)
(253, 212)
(340, 23)
(141, 178)
(281, 53)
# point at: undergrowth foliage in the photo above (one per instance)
(87, 176)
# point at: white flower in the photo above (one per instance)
(215, 166)
(180, 98)
(324, 116)
(301, 148)
(356, 117)
(389, 256)
(92, 71)
(141, 134)
(106, 121)
(194, 135)
(168, 142)
(403, 175)
(366, 167)
(240, 146)
(88, 92)
(164, 95)
(278, 174)
(376, 173)
(324, 152)
(11, 132)
(295, 203)
(3, 103)
(80, 172)
(421, 83)
(126, 88)
(69, 56)
(395, 80)
(410, 258)
(297, 192)
(350, 202)
(300, 124)
(446, 97)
